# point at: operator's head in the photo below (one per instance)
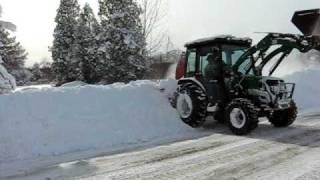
(215, 51)
(214, 56)
(210, 58)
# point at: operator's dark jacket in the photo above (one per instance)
(214, 70)
(214, 75)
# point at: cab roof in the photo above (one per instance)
(222, 39)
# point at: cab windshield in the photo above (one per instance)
(231, 54)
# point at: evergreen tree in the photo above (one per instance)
(46, 71)
(41, 73)
(124, 43)
(65, 65)
(86, 45)
(13, 55)
(36, 72)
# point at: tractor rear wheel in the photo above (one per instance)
(242, 116)
(284, 118)
(192, 105)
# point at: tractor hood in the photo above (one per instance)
(254, 82)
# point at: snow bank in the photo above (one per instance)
(168, 86)
(74, 84)
(33, 87)
(45, 122)
(307, 89)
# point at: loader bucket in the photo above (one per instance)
(308, 22)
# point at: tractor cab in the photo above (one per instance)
(226, 49)
(210, 62)
(222, 77)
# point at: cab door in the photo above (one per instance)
(191, 65)
(215, 87)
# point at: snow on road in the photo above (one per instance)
(268, 153)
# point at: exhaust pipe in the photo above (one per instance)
(308, 22)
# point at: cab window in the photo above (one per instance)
(231, 54)
(191, 57)
(204, 52)
(203, 63)
(243, 68)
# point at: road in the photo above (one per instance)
(268, 153)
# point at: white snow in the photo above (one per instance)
(44, 125)
(43, 122)
(33, 87)
(229, 37)
(307, 89)
(168, 86)
(74, 84)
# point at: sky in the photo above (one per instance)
(185, 20)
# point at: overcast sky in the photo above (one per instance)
(186, 19)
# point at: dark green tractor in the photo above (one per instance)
(223, 77)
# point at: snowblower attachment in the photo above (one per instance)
(308, 22)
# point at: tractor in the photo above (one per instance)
(230, 79)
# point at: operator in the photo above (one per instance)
(214, 69)
(214, 75)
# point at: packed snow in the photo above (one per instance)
(74, 84)
(46, 122)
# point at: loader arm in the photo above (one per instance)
(283, 44)
(307, 21)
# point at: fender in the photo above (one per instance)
(192, 80)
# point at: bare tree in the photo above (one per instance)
(152, 21)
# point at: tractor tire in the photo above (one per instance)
(242, 116)
(192, 105)
(284, 118)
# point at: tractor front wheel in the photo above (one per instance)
(284, 118)
(241, 116)
(192, 105)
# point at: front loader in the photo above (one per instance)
(222, 76)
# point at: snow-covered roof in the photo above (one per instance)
(220, 39)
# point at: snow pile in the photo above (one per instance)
(307, 89)
(33, 87)
(74, 84)
(46, 122)
(168, 86)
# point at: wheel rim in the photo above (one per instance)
(184, 105)
(237, 118)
